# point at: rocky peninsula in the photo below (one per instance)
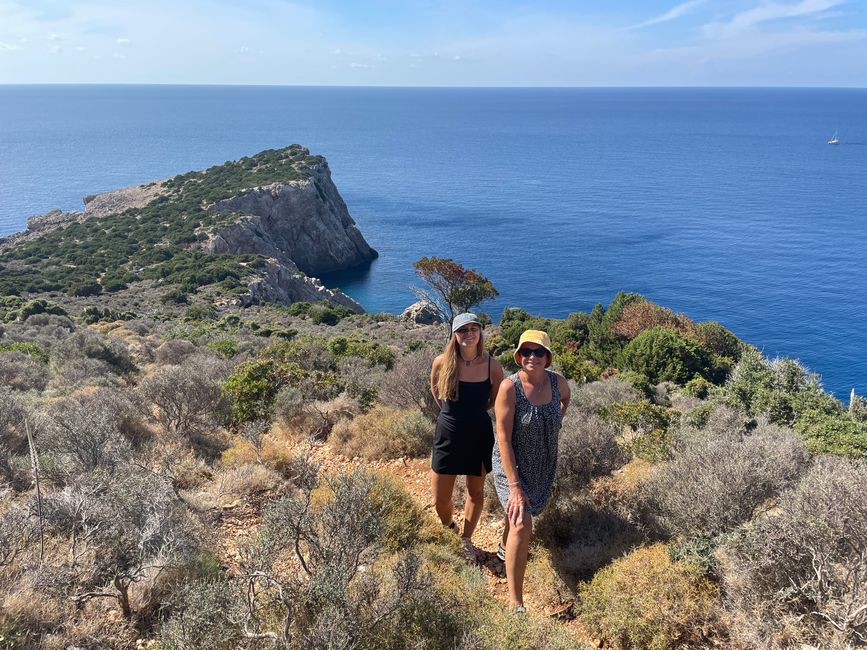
(258, 229)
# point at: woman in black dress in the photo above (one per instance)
(464, 381)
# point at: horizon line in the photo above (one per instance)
(451, 87)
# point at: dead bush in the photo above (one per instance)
(174, 352)
(804, 565)
(407, 385)
(86, 355)
(302, 418)
(590, 398)
(245, 481)
(384, 433)
(22, 372)
(189, 400)
(646, 601)
(715, 481)
(80, 434)
(587, 448)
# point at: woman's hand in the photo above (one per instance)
(515, 504)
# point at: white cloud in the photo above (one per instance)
(337, 51)
(123, 41)
(55, 49)
(118, 56)
(8, 47)
(243, 49)
(767, 12)
(358, 65)
(55, 37)
(672, 14)
(80, 48)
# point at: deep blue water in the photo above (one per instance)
(724, 204)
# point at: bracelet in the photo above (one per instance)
(514, 483)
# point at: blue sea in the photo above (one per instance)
(724, 204)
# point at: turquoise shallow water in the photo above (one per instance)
(724, 204)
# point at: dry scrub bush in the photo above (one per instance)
(204, 615)
(244, 481)
(22, 372)
(590, 398)
(715, 482)
(646, 601)
(86, 357)
(79, 435)
(174, 352)
(131, 526)
(408, 384)
(27, 614)
(384, 433)
(315, 576)
(804, 565)
(587, 448)
(583, 535)
(302, 418)
(188, 400)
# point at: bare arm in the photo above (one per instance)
(496, 379)
(565, 393)
(505, 411)
(434, 377)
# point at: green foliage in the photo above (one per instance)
(30, 349)
(834, 434)
(356, 346)
(697, 387)
(200, 312)
(455, 288)
(648, 423)
(14, 308)
(226, 348)
(326, 313)
(661, 354)
(92, 315)
(152, 242)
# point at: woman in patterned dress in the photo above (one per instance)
(530, 407)
(464, 380)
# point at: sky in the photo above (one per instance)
(436, 42)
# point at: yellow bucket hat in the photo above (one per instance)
(539, 338)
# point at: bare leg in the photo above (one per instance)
(443, 486)
(517, 546)
(475, 503)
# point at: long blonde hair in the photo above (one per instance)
(447, 380)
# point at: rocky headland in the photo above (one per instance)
(261, 227)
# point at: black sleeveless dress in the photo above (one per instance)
(464, 438)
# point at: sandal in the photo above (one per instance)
(453, 526)
(501, 552)
(518, 610)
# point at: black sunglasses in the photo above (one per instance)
(529, 352)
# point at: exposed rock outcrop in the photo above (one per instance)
(303, 222)
(277, 282)
(422, 313)
(137, 196)
(40, 224)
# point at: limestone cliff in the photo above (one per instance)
(304, 222)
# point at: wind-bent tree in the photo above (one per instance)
(453, 288)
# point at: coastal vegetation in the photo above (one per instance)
(206, 476)
(157, 242)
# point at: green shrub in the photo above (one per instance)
(226, 348)
(646, 601)
(200, 312)
(648, 423)
(697, 387)
(661, 354)
(30, 349)
(342, 346)
(833, 434)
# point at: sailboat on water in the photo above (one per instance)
(834, 139)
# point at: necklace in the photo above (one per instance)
(468, 362)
